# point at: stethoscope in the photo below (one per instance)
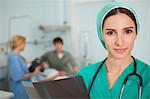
(134, 73)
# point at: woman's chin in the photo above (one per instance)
(120, 55)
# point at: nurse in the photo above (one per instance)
(17, 67)
(120, 75)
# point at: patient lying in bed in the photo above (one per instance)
(48, 74)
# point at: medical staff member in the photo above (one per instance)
(18, 70)
(120, 75)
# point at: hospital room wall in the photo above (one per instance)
(86, 20)
(2, 36)
(1, 21)
(37, 12)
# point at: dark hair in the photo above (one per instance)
(36, 63)
(121, 10)
(58, 40)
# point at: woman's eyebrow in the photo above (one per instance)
(128, 28)
(110, 29)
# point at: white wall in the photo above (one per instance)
(85, 21)
(2, 37)
(1, 20)
(39, 12)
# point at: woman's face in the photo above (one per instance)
(119, 34)
(22, 46)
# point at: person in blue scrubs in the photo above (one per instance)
(117, 27)
(17, 67)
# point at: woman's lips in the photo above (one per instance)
(120, 50)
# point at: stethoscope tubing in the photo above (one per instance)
(125, 80)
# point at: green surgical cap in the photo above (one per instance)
(104, 11)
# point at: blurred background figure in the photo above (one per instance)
(47, 74)
(60, 59)
(18, 69)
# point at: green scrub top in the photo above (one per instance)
(100, 88)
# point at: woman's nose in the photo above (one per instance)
(119, 40)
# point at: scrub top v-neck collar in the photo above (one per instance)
(116, 88)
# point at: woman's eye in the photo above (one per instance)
(110, 33)
(128, 31)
